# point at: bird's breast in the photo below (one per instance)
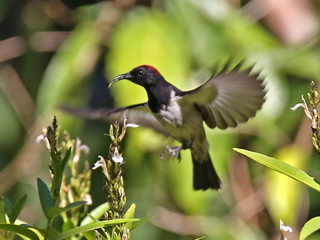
(171, 113)
(181, 120)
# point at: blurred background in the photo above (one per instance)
(56, 52)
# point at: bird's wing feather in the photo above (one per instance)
(139, 114)
(228, 98)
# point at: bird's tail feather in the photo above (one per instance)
(204, 174)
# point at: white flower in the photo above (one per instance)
(80, 148)
(313, 116)
(43, 137)
(132, 125)
(117, 156)
(125, 234)
(124, 128)
(284, 229)
(304, 106)
(100, 163)
(295, 107)
(87, 198)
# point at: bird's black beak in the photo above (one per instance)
(120, 77)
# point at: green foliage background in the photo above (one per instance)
(58, 55)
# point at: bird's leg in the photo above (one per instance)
(172, 151)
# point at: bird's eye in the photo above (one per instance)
(140, 72)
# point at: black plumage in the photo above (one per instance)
(228, 98)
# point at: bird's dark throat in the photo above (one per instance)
(159, 96)
(155, 103)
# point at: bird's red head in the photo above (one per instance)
(152, 68)
(144, 75)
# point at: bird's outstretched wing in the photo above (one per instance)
(228, 97)
(139, 114)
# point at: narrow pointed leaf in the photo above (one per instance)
(17, 208)
(89, 235)
(2, 212)
(65, 158)
(138, 223)
(96, 213)
(309, 227)
(281, 167)
(54, 211)
(24, 231)
(91, 226)
(45, 197)
(52, 233)
(8, 206)
(130, 214)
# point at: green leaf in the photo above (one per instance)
(17, 208)
(309, 227)
(54, 211)
(281, 167)
(143, 220)
(65, 159)
(2, 211)
(96, 213)
(21, 230)
(91, 226)
(57, 175)
(44, 196)
(47, 233)
(89, 235)
(8, 206)
(130, 214)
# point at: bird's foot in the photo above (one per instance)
(172, 152)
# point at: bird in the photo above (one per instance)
(229, 97)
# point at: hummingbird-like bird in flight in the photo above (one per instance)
(226, 99)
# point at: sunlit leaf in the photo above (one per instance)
(90, 235)
(24, 231)
(96, 213)
(91, 226)
(281, 167)
(130, 214)
(309, 227)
